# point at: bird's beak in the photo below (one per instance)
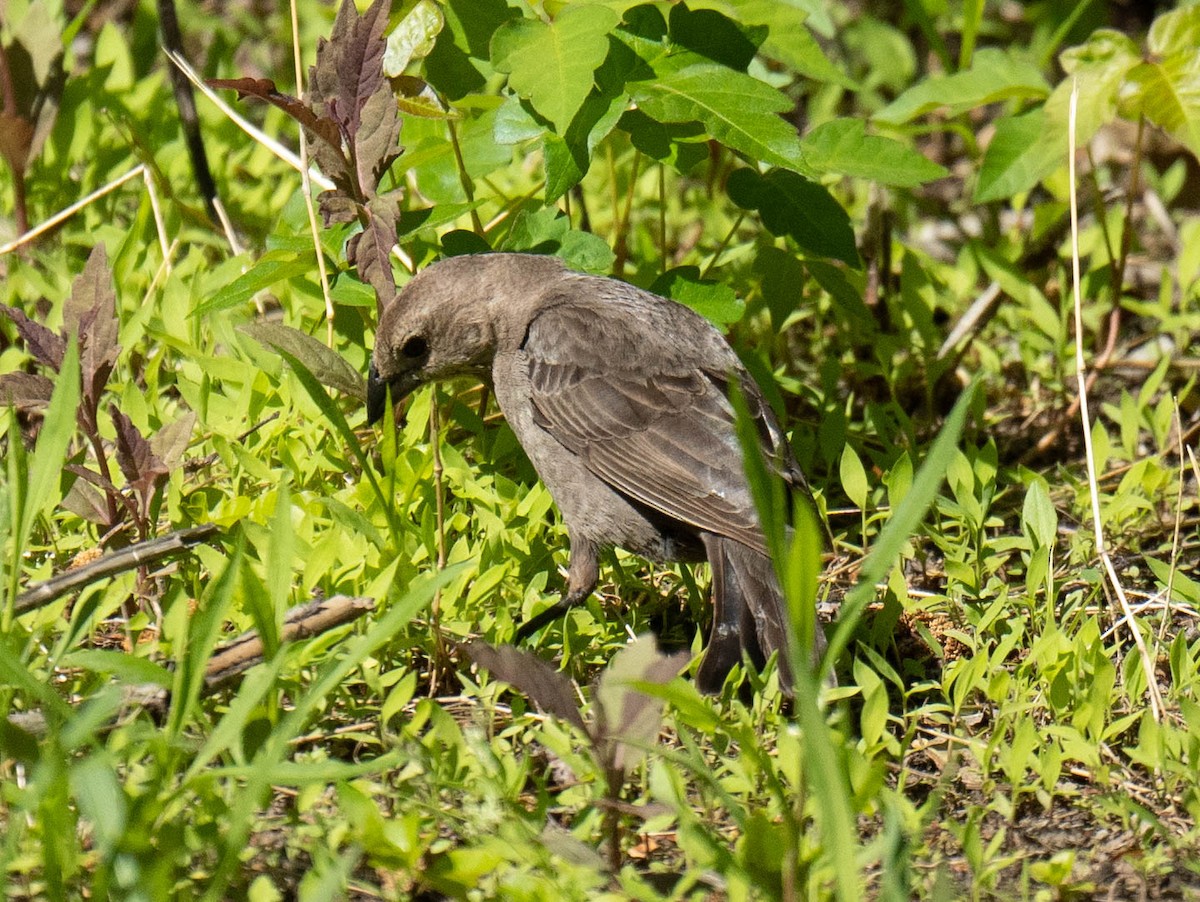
(377, 396)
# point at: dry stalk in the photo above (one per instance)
(1156, 702)
(67, 212)
(314, 230)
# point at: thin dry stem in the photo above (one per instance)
(1156, 702)
(1162, 626)
(235, 246)
(313, 228)
(67, 212)
(159, 226)
(253, 131)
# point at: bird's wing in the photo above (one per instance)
(659, 430)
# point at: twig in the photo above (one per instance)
(230, 660)
(1156, 703)
(139, 555)
(977, 316)
(234, 658)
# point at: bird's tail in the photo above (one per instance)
(749, 615)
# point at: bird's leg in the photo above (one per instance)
(582, 576)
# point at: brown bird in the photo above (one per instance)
(620, 399)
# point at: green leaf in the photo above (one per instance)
(792, 205)
(413, 38)
(903, 523)
(854, 478)
(427, 218)
(587, 252)
(671, 143)
(1167, 92)
(58, 426)
(737, 109)
(715, 301)
(327, 365)
(995, 75)
(124, 666)
(553, 65)
(101, 799)
(791, 42)
(714, 35)
(271, 268)
(843, 146)
(1022, 153)
(1099, 67)
(567, 157)
(538, 230)
(1039, 520)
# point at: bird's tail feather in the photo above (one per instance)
(749, 614)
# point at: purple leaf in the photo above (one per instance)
(144, 470)
(349, 65)
(264, 89)
(550, 690)
(25, 390)
(46, 347)
(91, 313)
(372, 252)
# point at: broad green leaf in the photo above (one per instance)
(671, 143)
(994, 76)
(790, 41)
(1023, 151)
(536, 230)
(567, 157)
(553, 65)
(586, 252)
(327, 365)
(427, 218)
(515, 123)
(843, 145)
(1038, 517)
(792, 205)
(1099, 68)
(1029, 147)
(1175, 32)
(714, 35)
(854, 478)
(271, 268)
(101, 799)
(1167, 92)
(125, 667)
(737, 109)
(713, 300)
(413, 38)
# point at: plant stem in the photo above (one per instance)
(468, 186)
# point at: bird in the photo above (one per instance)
(620, 399)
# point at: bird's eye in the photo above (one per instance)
(415, 347)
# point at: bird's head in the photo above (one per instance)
(446, 321)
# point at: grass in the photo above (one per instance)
(993, 733)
